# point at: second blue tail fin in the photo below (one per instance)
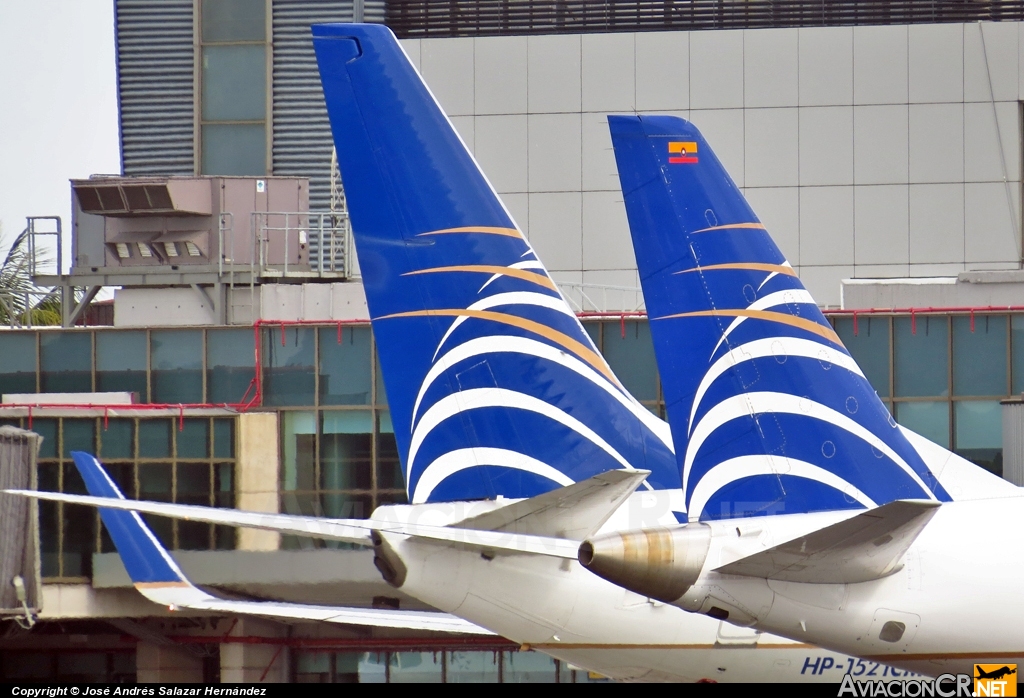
(769, 413)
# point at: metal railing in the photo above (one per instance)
(299, 243)
(602, 298)
(440, 18)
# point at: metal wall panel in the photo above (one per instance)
(301, 132)
(155, 68)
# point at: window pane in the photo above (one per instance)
(288, 371)
(979, 356)
(929, 419)
(381, 393)
(594, 330)
(344, 506)
(345, 451)
(155, 482)
(117, 439)
(1017, 340)
(47, 428)
(230, 362)
(18, 368)
(921, 359)
(869, 347)
(472, 667)
(79, 435)
(389, 467)
(224, 438)
(234, 150)
(234, 83)
(529, 667)
(371, 667)
(234, 20)
(193, 487)
(65, 360)
(415, 667)
(194, 438)
(155, 438)
(121, 363)
(314, 667)
(345, 366)
(632, 358)
(298, 437)
(177, 366)
(979, 433)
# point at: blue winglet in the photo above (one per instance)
(494, 387)
(146, 561)
(769, 412)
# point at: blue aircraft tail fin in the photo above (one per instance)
(494, 387)
(769, 412)
(145, 559)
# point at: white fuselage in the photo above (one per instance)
(957, 593)
(558, 607)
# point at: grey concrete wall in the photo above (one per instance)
(868, 151)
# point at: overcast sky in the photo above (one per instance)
(58, 106)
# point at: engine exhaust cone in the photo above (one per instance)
(660, 563)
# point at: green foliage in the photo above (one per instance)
(21, 301)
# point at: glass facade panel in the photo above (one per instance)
(528, 667)
(929, 419)
(234, 20)
(235, 83)
(472, 667)
(193, 438)
(65, 362)
(230, 365)
(155, 438)
(979, 355)
(921, 356)
(117, 439)
(224, 438)
(632, 358)
(372, 666)
(238, 150)
(416, 667)
(345, 366)
(177, 357)
(18, 364)
(289, 372)
(1017, 353)
(121, 363)
(869, 346)
(79, 435)
(298, 451)
(979, 433)
(346, 451)
(389, 466)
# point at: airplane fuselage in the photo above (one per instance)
(954, 601)
(560, 608)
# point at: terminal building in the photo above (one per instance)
(880, 143)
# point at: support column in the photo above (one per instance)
(253, 662)
(165, 664)
(257, 475)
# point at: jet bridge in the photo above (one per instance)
(20, 584)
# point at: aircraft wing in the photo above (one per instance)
(157, 576)
(865, 547)
(356, 531)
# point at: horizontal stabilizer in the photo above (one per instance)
(865, 547)
(574, 512)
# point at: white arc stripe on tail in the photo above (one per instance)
(495, 344)
(480, 398)
(514, 298)
(528, 264)
(760, 348)
(734, 469)
(456, 461)
(750, 404)
(796, 295)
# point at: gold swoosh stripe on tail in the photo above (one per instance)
(484, 229)
(751, 266)
(769, 315)
(578, 348)
(729, 226)
(531, 276)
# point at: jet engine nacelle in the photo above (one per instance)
(660, 563)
